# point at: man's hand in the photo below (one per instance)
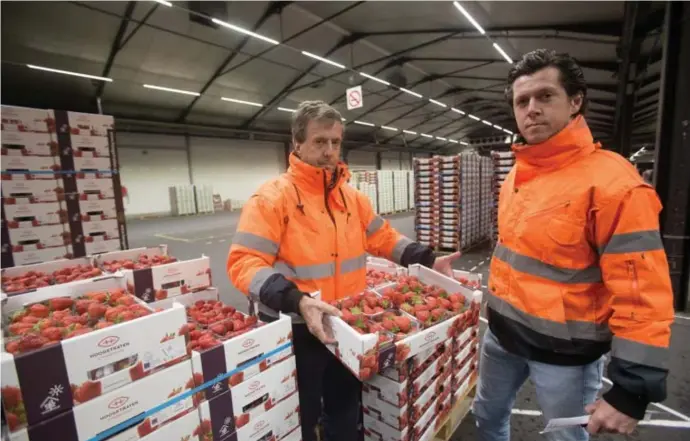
(443, 264)
(313, 312)
(606, 419)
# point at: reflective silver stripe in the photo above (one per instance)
(636, 242)
(255, 242)
(353, 264)
(259, 279)
(535, 267)
(306, 272)
(375, 225)
(572, 329)
(399, 249)
(640, 353)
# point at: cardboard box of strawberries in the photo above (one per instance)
(27, 278)
(69, 344)
(381, 328)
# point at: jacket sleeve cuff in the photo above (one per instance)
(623, 401)
(416, 253)
(291, 301)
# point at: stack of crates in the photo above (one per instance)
(470, 196)
(426, 185)
(486, 171)
(503, 162)
(451, 202)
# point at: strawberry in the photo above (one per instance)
(38, 310)
(219, 329)
(13, 421)
(137, 372)
(408, 308)
(31, 341)
(432, 302)
(102, 325)
(422, 316)
(444, 303)
(236, 379)
(60, 303)
(241, 420)
(52, 334)
(96, 310)
(347, 303)
(438, 313)
(403, 323)
(11, 396)
(238, 325)
(251, 320)
(30, 319)
(82, 305)
(348, 317)
(77, 332)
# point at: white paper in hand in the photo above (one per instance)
(556, 424)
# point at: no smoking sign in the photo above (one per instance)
(354, 98)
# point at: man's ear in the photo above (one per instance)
(576, 104)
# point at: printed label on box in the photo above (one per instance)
(380, 431)
(90, 124)
(394, 416)
(170, 280)
(38, 256)
(102, 246)
(90, 146)
(102, 209)
(25, 119)
(98, 230)
(28, 144)
(44, 166)
(40, 237)
(90, 187)
(25, 215)
(30, 191)
(91, 163)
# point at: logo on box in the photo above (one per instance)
(247, 343)
(108, 341)
(118, 402)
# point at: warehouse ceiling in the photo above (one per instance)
(428, 48)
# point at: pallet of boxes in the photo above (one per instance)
(144, 351)
(503, 162)
(412, 339)
(427, 206)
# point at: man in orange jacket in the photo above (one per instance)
(579, 269)
(308, 231)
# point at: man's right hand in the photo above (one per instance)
(313, 312)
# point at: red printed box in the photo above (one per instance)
(170, 280)
(33, 215)
(436, 368)
(387, 390)
(394, 416)
(25, 119)
(90, 188)
(239, 352)
(89, 124)
(88, 420)
(182, 428)
(90, 146)
(31, 257)
(375, 430)
(99, 230)
(102, 209)
(30, 191)
(102, 246)
(48, 381)
(29, 167)
(28, 144)
(217, 423)
(102, 165)
(38, 238)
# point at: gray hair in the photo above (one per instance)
(312, 111)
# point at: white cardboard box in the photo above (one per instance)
(33, 215)
(28, 144)
(90, 124)
(32, 191)
(25, 119)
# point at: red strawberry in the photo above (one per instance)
(219, 329)
(437, 313)
(38, 310)
(144, 428)
(136, 372)
(403, 323)
(11, 396)
(13, 421)
(241, 420)
(422, 316)
(236, 379)
(96, 310)
(60, 303)
(52, 334)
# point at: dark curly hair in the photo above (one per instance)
(572, 78)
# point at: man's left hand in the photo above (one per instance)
(444, 264)
(606, 419)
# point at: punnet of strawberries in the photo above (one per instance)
(36, 279)
(210, 322)
(51, 321)
(378, 277)
(398, 323)
(365, 325)
(143, 261)
(472, 284)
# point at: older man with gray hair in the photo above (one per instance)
(306, 232)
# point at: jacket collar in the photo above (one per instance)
(575, 141)
(311, 179)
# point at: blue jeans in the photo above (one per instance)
(562, 391)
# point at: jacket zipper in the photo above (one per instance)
(632, 273)
(326, 193)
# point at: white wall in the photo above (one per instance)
(235, 168)
(359, 160)
(149, 164)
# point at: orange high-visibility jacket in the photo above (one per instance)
(309, 231)
(580, 269)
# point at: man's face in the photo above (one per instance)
(321, 147)
(541, 105)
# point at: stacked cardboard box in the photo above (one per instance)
(486, 189)
(471, 200)
(367, 183)
(400, 190)
(386, 196)
(60, 195)
(428, 209)
(503, 162)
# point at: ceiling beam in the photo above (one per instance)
(272, 9)
(611, 66)
(116, 46)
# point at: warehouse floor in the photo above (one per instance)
(211, 235)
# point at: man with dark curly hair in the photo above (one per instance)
(579, 269)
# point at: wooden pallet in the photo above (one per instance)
(459, 411)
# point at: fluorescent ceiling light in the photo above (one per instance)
(469, 17)
(169, 89)
(285, 109)
(508, 131)
(487, 123)
(463, 143)
(502, 52)
(426, 136)
(453, 141)
(67, 72)
(245, 31)
(248, 103)
(441, 138)
(163, 2)
(325, 60)
(409, 92)
(392, 129)
(364, 123)
(457, 110)
(409, 132)
(474, 117)
(498, 127)
(438, 103)
(371, 77)
(343, 118)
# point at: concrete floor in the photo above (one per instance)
(211, 235)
